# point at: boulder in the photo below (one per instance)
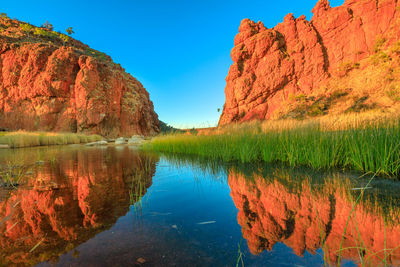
(136, 140)
(120, 141)
(98, 143)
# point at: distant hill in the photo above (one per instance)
(165, 128)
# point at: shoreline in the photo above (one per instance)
(368, 146)
(24, 139)
(21, 139)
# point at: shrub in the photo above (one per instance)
(395, 49)
(42, 32)
(300, 98)
(96, 54)
(379, 57)
(338, 94)
(64, 37)
(193, 131)
(380, 40)
(347, 66)
(27, 28)
(359, 105)
(393, 92)
(316, 109)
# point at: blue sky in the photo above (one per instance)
(179, 50)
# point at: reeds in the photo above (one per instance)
(366, 146)
(29, 139)
(14, 172)
(12, 175)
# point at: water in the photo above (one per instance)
(116, 206)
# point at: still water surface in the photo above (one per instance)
(116, 206)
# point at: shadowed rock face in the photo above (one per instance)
(270, 212)
(69, 201)
(53, 86)
(297, 56)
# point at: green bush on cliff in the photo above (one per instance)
(64, 38)
(96, 54)
(380, 40)
(46, 33)
(27, 28)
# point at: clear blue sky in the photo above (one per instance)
(179, 50)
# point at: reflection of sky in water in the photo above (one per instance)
(187, 217)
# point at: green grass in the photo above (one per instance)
(30, 139)
(371, 148)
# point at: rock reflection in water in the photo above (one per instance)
(73, 196)
(300, 216)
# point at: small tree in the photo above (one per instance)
(48, 26)
(218, 110)
(3, 15)
(69, 30)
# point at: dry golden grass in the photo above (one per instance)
(28, 139)
(324, 123)
(372, 83)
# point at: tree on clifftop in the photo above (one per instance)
(69, 30)
(48, 25)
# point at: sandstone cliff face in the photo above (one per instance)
(51, 84)
(298, 56)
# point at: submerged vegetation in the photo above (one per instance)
(348, 141)
(29, 139)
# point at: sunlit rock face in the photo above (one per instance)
(69, 200)
(53, 86)
(297, 56)
(303, 216)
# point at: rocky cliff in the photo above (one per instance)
(51, 82)
(350, 51)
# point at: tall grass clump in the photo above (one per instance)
(14, 171)
(30, 139)
(368, 147)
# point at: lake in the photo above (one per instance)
(117, 206)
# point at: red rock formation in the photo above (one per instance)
(67, 202)
(270, 212)
(47, 84)
(298, 56)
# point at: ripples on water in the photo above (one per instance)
(116, 207)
